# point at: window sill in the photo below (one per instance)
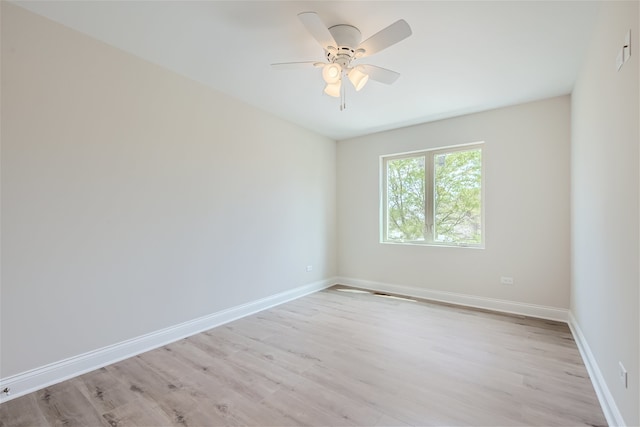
(433, 245)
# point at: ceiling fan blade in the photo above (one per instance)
(379, 74)
(296, 65)
(318, 29)
(386, 37)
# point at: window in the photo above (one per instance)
(433, 197)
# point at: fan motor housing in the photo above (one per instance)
(348, 38)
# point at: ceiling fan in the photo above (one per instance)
(343, 47)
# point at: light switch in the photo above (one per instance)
(626, 50)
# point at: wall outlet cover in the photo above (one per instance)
(506, 280)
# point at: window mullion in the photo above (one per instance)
(428, 197)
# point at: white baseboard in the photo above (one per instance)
(609, 407)
(512, 307)
(44, 376)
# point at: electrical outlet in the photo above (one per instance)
(506, 280)
(309, 268)
(622, 374)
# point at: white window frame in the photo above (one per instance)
(429, 155)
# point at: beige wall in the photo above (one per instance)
(526, 157)
(134, 199)
(605, 214)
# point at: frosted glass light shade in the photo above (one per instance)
(331, 73)
(358, 78)
(333, 89)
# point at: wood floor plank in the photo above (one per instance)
(22, 412)
(151, 386)
(103, 390)
(137, 412)
(64, 405)
(338, 358)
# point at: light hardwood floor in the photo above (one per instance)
(341, 359)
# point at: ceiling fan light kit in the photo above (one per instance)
(342, 46)
(331, 73)
(333, 89)
(358, 77)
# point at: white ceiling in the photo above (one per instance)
(463, 57)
